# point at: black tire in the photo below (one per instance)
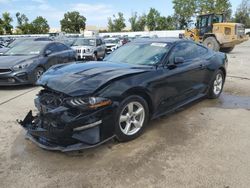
(38, 72)
(95, 58)
(227, 50)
(212, 43)
(120, 135)
(211, 93)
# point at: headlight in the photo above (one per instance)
(91, 102)
(90, 50)
(21, 66)
(114, 48)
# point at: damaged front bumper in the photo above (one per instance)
(59, 130)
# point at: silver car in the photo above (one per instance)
(91, 48)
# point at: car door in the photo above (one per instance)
(63, 53)
(184, 81)
(51, 53)
(100, 48)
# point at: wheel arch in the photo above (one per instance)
(142, 92)
(210, 35)
(224, 71)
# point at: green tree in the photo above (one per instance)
(218, 6)
(133, 21)
(116, 24)
(142, 22)
(152, 18)
(73, 22)
(165, 23)
(23, 23)
(110, 25)
(184, 10)
(1, 27)
(138, 23)
(242, 14)
(40, 25)
(6, 23)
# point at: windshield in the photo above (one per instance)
(84, 42)
(218, 18)
(111, 40)
(26, 48)
(141, 54)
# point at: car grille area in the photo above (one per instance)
(2, 71)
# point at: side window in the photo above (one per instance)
(204, 21)
(200, 50)
(187, 50)
(53, 48)
(61, 47)
(98, 42)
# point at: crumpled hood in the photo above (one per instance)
(78, 79)
(10, 61)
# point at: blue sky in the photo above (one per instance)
(96, 11)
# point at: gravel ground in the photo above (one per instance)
(203, 145)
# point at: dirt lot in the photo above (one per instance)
(204, 145)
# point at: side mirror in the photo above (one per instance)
(47, 52)
(178, 60)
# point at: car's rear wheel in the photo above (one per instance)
(131, 118)
(95, 58)
(217, 84)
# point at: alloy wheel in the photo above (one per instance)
(218, 84)
(132, 118)
(39, 73)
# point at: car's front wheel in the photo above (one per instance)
(38, 72)
(131, 118)
(217, 84)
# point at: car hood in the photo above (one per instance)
(82, 47)
(85, 78)
(10, 61)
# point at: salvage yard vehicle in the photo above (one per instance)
(27, 61)
(3, 49)
(84, 105)
(24, 39)
(214, 32)
(90, 48)
(112, 44)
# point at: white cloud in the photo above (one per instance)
(94, 12)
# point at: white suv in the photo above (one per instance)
(89, 48)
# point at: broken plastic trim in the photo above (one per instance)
(75, 147)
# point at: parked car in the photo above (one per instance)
(3, 49)
(89, 48)
(124, 40)
(23, 39)
(112, 44)
(67, 41)
(84, 105)
(24, 63)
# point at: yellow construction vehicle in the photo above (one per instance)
(214, 32)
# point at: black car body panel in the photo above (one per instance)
(164, 86)
(77, 80)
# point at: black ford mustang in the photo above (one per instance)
(84, 105)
